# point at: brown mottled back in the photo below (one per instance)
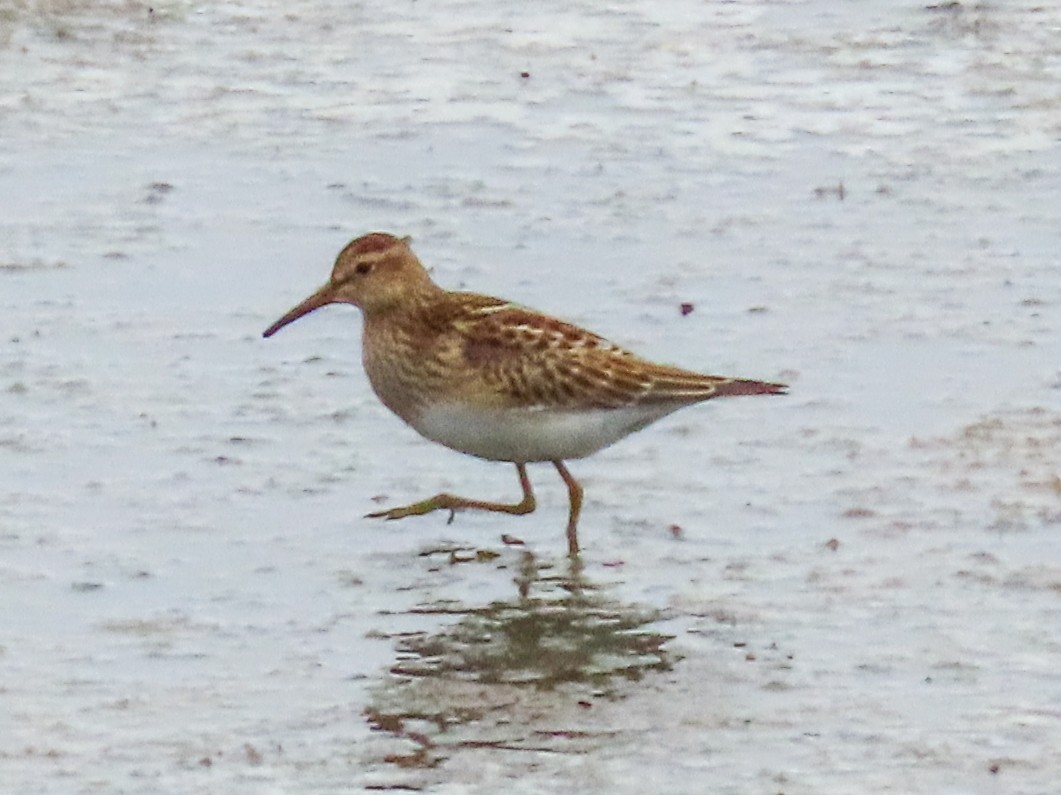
(522, 358)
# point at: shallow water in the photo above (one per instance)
(850, 589)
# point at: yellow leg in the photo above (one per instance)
(574, 493)
(453, 503)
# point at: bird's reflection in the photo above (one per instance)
(514, 673)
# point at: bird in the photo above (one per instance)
(497, 380)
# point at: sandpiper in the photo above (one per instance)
(497, 380)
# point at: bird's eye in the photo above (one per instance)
(363, 268)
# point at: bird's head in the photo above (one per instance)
(374, 272)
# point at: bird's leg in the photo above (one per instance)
(452, 503)
(574, 493)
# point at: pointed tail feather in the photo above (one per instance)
(745, 386)
(684, 386)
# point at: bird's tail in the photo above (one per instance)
(672, 384)
(734, 387)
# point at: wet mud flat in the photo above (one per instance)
(851, 588)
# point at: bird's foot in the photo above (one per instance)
(453, 503)
(440, 502)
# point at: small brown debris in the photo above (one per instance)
(417, 759)
(156, 191)
(686, 308)
(462, 556)
(839, 191)
(385, 721)
(859, 513)
(832, 544)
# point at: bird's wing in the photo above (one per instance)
(526, 358)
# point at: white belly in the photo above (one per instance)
(524, 435)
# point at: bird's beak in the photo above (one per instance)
(325, 295)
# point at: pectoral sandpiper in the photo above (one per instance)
(497, 380)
